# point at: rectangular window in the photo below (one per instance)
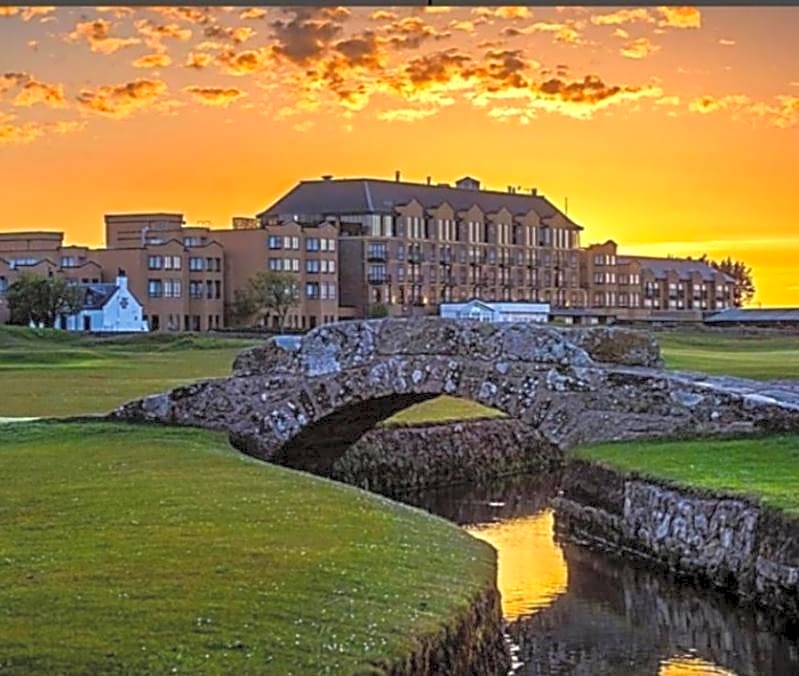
(312, 244)
(195, 289)
(312, 290)
(274, 242)
(218, 264)
(172, 263)
(209, 289)
(155, 288)
(295, 264)
(195, 264)
(68, 262)
(155, 262)
(172, 288)
(217, 289)
(312, 266)
(295, 243)
(331, 245)
(323, 244)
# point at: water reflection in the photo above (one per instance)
(531, 568)
(574, 611)
(691, 665)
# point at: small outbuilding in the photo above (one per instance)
(110, 307)
(489, 311)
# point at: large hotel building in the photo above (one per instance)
(362, 247)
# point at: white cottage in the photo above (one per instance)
(488, 311)
(107, 307)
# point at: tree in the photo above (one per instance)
(740, 272)
(275, 293)
(37, 299)
(377, 311)
(243, 307)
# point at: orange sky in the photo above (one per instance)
(673, 131)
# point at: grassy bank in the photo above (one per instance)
(53, 373)
(158, 550)
(766, 468)
(762, 356)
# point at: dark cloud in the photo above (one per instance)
(307, 34)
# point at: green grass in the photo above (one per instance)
(442, 409)
(54, 373)
(140, 549)
(765, 468)
(760, 356)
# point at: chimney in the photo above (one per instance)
(534, 192)
(429, 180)
(122, 279)
(397, 176)
(327, 177)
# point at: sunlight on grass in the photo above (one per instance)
(760, 356)
(152, 550)
(766, 468)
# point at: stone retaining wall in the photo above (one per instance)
(731, 543)
(472, 643)
(399, 459)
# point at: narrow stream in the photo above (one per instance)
(575, 611)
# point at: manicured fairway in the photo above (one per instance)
(763, 467)
(52, 373)
(761, 356)
(133, 549)
(443, 409)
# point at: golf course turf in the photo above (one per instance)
(143, 549)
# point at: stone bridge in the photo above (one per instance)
(304, 407)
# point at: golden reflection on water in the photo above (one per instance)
(690, 665)
(531, 568)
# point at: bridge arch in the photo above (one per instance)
(305, 406)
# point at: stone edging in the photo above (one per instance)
(472, 643)
(732, 543)
(393, 460)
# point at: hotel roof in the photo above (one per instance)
(370, 195)
(684, 267)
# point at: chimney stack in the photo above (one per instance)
(534, 191)
(397, 175)
(429, 180)
(327, 177)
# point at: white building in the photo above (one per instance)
(107, 307)
(487, 311)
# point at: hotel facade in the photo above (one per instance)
(369, 247)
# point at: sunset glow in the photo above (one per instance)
(672, 130)
(531, 568)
